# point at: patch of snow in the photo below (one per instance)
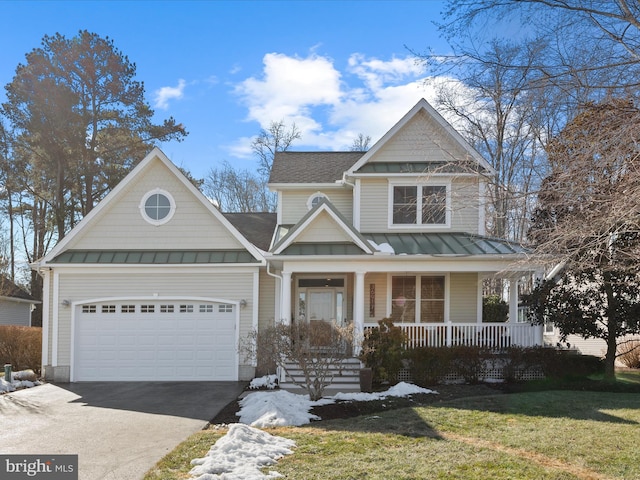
(268, 381)
(240, 454)
(20, 379)
(402, 389)
(282, 408)
(275, 409)
(382, 247)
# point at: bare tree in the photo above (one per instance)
(498, 115)
(361, 143)
(588, 43)
(277, 138)
(238, 190)
(315, 349)
(589, 220)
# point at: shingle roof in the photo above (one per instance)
(311, 167)
(10, 289)
(258, 228)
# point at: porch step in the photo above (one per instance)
(345, 377)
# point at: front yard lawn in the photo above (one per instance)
(532, 435)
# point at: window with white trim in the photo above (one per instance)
(419, 205)
(186, 308)
(108, 309)
(417, 298)
(157, 207)
(225, 308)
(167, 308)
(127, 309)
(88, 309)
(206, 308)
(315, 199)
(147, 308)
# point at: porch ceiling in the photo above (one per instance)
(445, 244)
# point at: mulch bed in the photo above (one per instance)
(354, 409)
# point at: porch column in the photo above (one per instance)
(285, 308)
(513, 300)
(358, 312)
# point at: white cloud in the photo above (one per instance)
(164, 94)
(331, 107)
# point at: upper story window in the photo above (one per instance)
(157, 207)
(419, 205)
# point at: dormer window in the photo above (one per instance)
(421, 205)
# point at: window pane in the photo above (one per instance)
(434, 204)
(405, 205)
(403, 299)
(157, 206)
(432, 299)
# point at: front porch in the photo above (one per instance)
(489, 335)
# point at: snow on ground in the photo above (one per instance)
(241, 453)
(282, 408)
(268, 381)
(21, 379)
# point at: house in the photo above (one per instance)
(156, 284)
(16, 304)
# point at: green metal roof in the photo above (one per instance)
(154, 257)
(329, 248)
(445, 244)
(419, 167)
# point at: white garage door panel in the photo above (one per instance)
(196, 344)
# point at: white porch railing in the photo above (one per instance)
(491, 335)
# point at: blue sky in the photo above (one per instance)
(226, 69)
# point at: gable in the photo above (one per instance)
(421, 141)
(123, 225)
(323, 225)
(122, 222)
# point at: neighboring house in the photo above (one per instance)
(157, 284)
(16, 304)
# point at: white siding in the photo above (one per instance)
(294, 203)
(121, 226)
(15, 313)
(463, 297)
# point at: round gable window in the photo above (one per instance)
(157, 207)
(315, 199)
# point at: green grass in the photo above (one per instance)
(533, 435)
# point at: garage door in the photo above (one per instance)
(155, 341)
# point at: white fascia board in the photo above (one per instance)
(18, 300)
(306, 186)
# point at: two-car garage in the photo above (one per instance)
(155, 340)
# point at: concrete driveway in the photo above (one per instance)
(118, 430)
